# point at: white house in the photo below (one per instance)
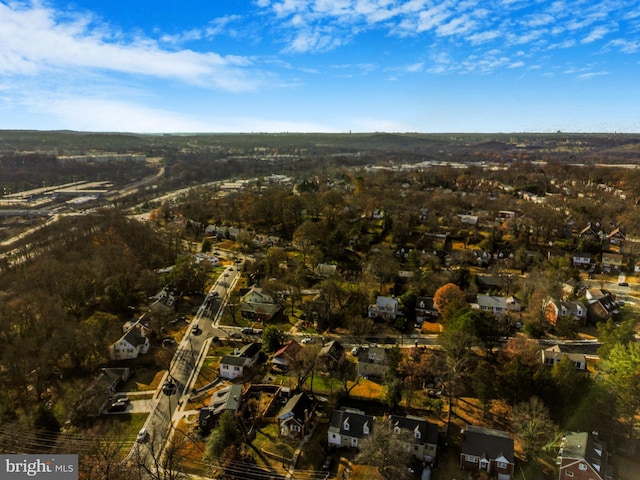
(385, 307)
(233, 366)
(132, 344)
(348, 427)
(552, 355)
(492, 303)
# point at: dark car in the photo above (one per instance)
(168, 342)
(236, 335)
(118, 407)
(247, 330)
(196, 329)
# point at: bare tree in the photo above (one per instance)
(533, 425)
(388, 452)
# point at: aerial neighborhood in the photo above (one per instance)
(362, 307)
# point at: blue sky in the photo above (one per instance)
(321, 65)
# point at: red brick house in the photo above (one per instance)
(488, 450)
(583, 456)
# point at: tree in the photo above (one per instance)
(383, 263)
(621, 371)
(566, 382)
(533, 425)
(393, 395)
(386, 451)
(611, 335)
(225, 435)
(271, 339)
(346, 373)
(307, 238)
(188, 275)
(483, 383)
(448, 299)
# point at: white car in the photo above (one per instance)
(306, 340)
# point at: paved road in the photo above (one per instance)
(185, 367)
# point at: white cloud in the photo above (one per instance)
(483, 37)
(456, 26)
(596, 34)
(588, 75)
(37, 39)
(625, 46)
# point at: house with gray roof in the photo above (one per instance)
(296, 416)
(258, 306)
(488, 450)
(555, 310)
(420, 435)
(132, 344)
(227, 399)
(372, 362)
(348, 427)
(584, 456)
(554, 354)
(385, 307)
(233, 366)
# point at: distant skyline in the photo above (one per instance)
(321, 65)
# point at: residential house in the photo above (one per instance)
(513, 304)
(288, 354)
(591, 231)
(234, 366)
(552, 355)
(227, 399)
(468, 219)
(583, 456)
(165, 300)
(258, 306)
(133, 343)
(385, 307)
(348, 427)
(582, 260)
(611, 262)
(326, 270)
(488, 450)
(331, 356)
(97, 395)
(602, 307)
(421, 435)
(490, 283)
(492, 303)
(426, 310)
(296, 416)
(372, 362)
(616, 237)
(555, 310)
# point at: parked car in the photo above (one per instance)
(142, 435)
(117, 407)
(168, 342)
(355, 350)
